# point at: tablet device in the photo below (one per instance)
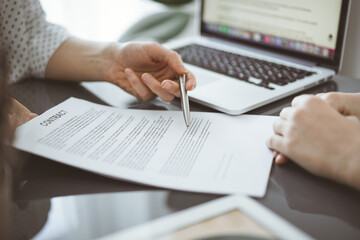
(229, 218)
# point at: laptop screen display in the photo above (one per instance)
(308, 27)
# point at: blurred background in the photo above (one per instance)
(110, 20)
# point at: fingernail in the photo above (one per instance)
(146, 78)
(182, 68)
(278, 158)
(190, 86)
(127, 72)
(31, 116)
(167, 86)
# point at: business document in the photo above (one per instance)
(217, 153)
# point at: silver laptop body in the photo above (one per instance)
(239, 32)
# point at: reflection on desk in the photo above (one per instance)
(29, 217)
(323, 197)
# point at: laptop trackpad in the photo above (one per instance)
(203, 76)
(229, 94)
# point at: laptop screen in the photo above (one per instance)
(306, 27)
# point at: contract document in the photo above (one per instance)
(218, 153)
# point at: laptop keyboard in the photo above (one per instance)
(241, 67)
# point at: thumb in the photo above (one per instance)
(31, 116)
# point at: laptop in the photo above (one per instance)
(253, 52)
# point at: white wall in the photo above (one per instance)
(351, 64)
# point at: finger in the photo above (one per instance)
(18, 114)
(299, 99)
(173, 59)
(155, 86)
(31, 116)
(140, 88)
(281, 159)
(172, 87)
(279, 126)
(328, 98)
(286, 113)
(190, 81)
(276, 142)
(175, 62)
(18, 109)
(177, 65)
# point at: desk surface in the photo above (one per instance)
(86, 206)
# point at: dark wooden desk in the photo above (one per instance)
(322, 208)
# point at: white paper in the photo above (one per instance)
(217, 154)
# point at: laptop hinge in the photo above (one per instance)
(336, 69)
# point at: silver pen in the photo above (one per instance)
(184, 99)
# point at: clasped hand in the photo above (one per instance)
(322, 134)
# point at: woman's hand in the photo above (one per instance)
(148, 69)
(19, 114)
(317, 137)
(348, 104)
(142, 69)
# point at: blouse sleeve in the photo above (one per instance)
(27, 38)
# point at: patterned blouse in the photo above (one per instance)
(26, 39)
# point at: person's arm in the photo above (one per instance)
(78, 60)
(29, 40)
(318, 138)
(142, 69)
